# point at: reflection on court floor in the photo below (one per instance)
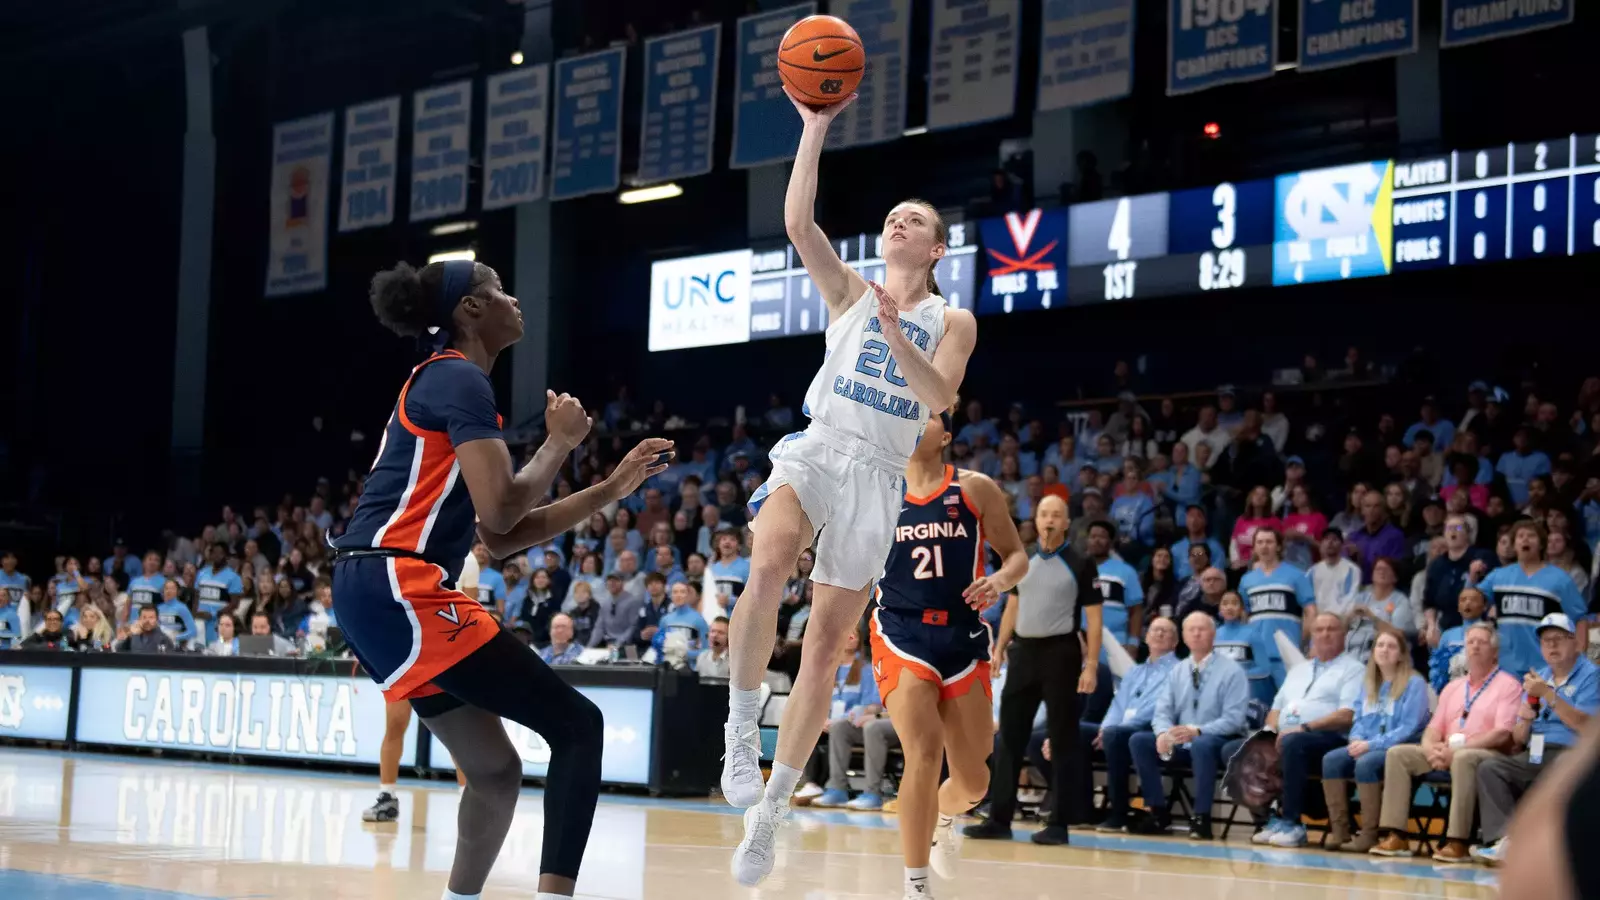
(93, 827)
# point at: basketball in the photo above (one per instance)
(820, 60)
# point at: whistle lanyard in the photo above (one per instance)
(1472, 696)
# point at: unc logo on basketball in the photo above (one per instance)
(831, 86)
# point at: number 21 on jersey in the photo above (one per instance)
(930, 562)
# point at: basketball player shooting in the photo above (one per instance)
(895, 354)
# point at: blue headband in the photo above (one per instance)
(454, 283)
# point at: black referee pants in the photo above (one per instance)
(1038, 670)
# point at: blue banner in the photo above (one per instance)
(34, 702)
(680, 104)
(302, 183)
(281, 716)
(1340, 33)
(516, 115)
(1085, 52)
(1217, 42)
(1471, 21)
(441, 147)
(972, 62)
(371, 144)
(630, 716)
(588, 124)
(879, 113)
(765, 127)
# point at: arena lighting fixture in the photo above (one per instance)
(516, 58)
(449, 255)
(654, 192)
(913, 132)
(452, 228)
(1212, 130)
(1285, 66)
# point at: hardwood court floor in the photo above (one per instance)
(92, 827)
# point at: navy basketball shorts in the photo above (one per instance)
(952, 652)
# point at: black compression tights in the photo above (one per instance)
(505, 678)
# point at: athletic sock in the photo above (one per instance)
(917, 879)
(781, 785)
(743, 706)
(946, 821)
(544, 896)
(452, 895)
(387, 789)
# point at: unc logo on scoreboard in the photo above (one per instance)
(1333, 223)
(700, 301)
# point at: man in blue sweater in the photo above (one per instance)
(1521, 464)
(1201, 708)
(1132, 710)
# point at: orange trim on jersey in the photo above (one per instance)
(949, 475)
(971, 507)
(887, 664)
(450, 625)
(438, 458)
(400, 407)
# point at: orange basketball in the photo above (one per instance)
(820, 60)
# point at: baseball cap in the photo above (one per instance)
(1556, 620)
(1091, 490)
(1295, 461)
(614, 573)
(1478, 387)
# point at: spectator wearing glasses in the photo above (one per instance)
(1312, 714)
(1201, 707)
(1472, 724)
(1558, 701)
(1448, 574)
(1390, 708)
(1196, 533)
(1524, 592)
(52, 636)
(1132, 710)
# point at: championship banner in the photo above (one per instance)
(302, 163)
(766, 128)
(371, 145)
(879, 113)
(588, 124)
(516, 110)
(1471, 21)
(972, 62)
(1341, 33)
(1085, 52)
(441, 122)
(680, 104)
(1215, 42)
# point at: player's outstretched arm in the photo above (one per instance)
(501, 498)
(1001, 532)
(840, 285)
(936, 382)
(650, 457)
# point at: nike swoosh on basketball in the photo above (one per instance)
(818, 56)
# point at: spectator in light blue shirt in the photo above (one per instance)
(491, 585)
(563, 649)
(1180, 483)
(1523, 593)
(121, 560)
(1391, 708)
(217, 585)
(1201, 708)
(10, 622)
(1443, 430)
(13, 583)
(174, 615)
(683, 618)
(144, 589)
(1196, 532)
(976, 425)
(1132, 710)
(1521, 464)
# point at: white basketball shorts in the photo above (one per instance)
(850, 489)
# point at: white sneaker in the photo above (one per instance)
(812, 789)
(946, 855)
(754, 857)
(741, 765)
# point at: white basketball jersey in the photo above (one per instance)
(859, 390)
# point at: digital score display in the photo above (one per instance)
(1026, 254)
(1332, 224)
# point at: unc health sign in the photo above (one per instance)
(879, 113)
(516, 109)
(1085, 52)
(311, 717)
(34, 702)
(680, 104)
(766, 128)
(1470, 21)
(588, 128)
(629, 715)
(972, 61)
(1342, 32)
(441, 121)
(297, 232)
(371, 139)
(1217, 42)
(700, 301)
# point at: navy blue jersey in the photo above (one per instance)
(415, 499)
(937, 554)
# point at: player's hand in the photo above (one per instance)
(819, 115)
(997, 657)
(981, 594)
(888, 311)
(650, 457)
(565, 419)
(1089, 679)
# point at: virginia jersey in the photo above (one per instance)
(937, 553)
(415, 499)
(859, 390)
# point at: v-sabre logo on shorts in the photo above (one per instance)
(700, 301)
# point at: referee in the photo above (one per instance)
(1056, 602)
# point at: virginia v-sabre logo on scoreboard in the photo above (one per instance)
(701, 301)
